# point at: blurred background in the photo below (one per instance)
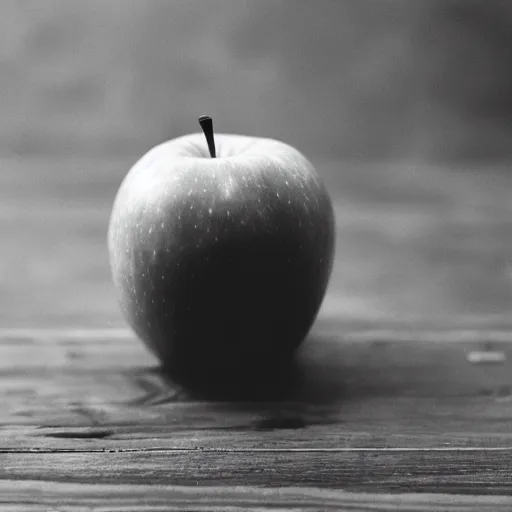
(405, 108)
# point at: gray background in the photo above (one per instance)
(372, 78)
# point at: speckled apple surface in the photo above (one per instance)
(221, 264)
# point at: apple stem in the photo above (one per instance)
(207, 126)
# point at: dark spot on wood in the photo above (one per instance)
(500, 393)
(379, 344)
(503, 393)
(25, 414)
(73, 434)
(73, 354)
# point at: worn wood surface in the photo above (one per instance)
(400, 399)
(368, 419)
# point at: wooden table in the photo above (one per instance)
(374, 415)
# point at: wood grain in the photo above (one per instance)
(398, 413)
(160, 498)
(459, 472)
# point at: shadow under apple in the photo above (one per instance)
(310, 375)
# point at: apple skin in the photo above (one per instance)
(221, 264)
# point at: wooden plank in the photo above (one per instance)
(92, 416)
(460, 472)
(361, 424)
(396, 421)
(367, 414)
(363, 390)
(370, 361)
(31, 495)
(104, 381)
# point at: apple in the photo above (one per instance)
(221, 252)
